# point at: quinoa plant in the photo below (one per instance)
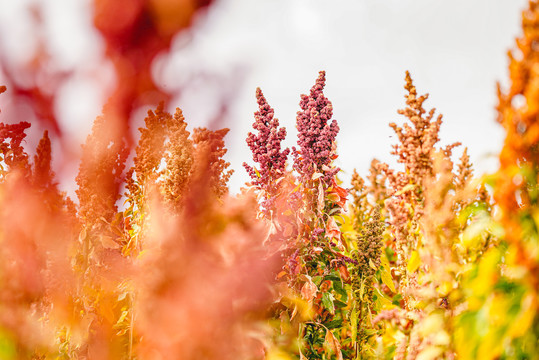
(156, 260)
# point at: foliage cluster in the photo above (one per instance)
(423, 261)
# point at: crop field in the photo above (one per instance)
(156, 258)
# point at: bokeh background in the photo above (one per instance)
(455, 50)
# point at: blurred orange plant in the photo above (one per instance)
(182, 263)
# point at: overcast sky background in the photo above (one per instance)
(455, 50)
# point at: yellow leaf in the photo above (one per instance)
(405, 189)
(472, 235)
(361, 289)
(384, 260)
(431, 325)
(430, 353)
(444, 288)
(388, 279)
(384, 302)
(301, 308)
(285, 322)
(122, 317)
(294, 312)
(281, 274)
(414, 262)
(353, 324)
(524, 319)
(333, 197)
(277, 355)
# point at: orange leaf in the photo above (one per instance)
(108, 243)
(321, 197)
(332, 229)
(334, 344)
(343, 271)
(309, 289)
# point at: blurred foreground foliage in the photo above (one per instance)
(157, 261)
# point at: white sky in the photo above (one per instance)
(455, 50)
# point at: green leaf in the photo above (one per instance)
(333, 324)
(382, 300)
(327, 301)
(389, 253)
(337, 285)
(332, 277)
(317, 280)
(369, 332)
(339, 304)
